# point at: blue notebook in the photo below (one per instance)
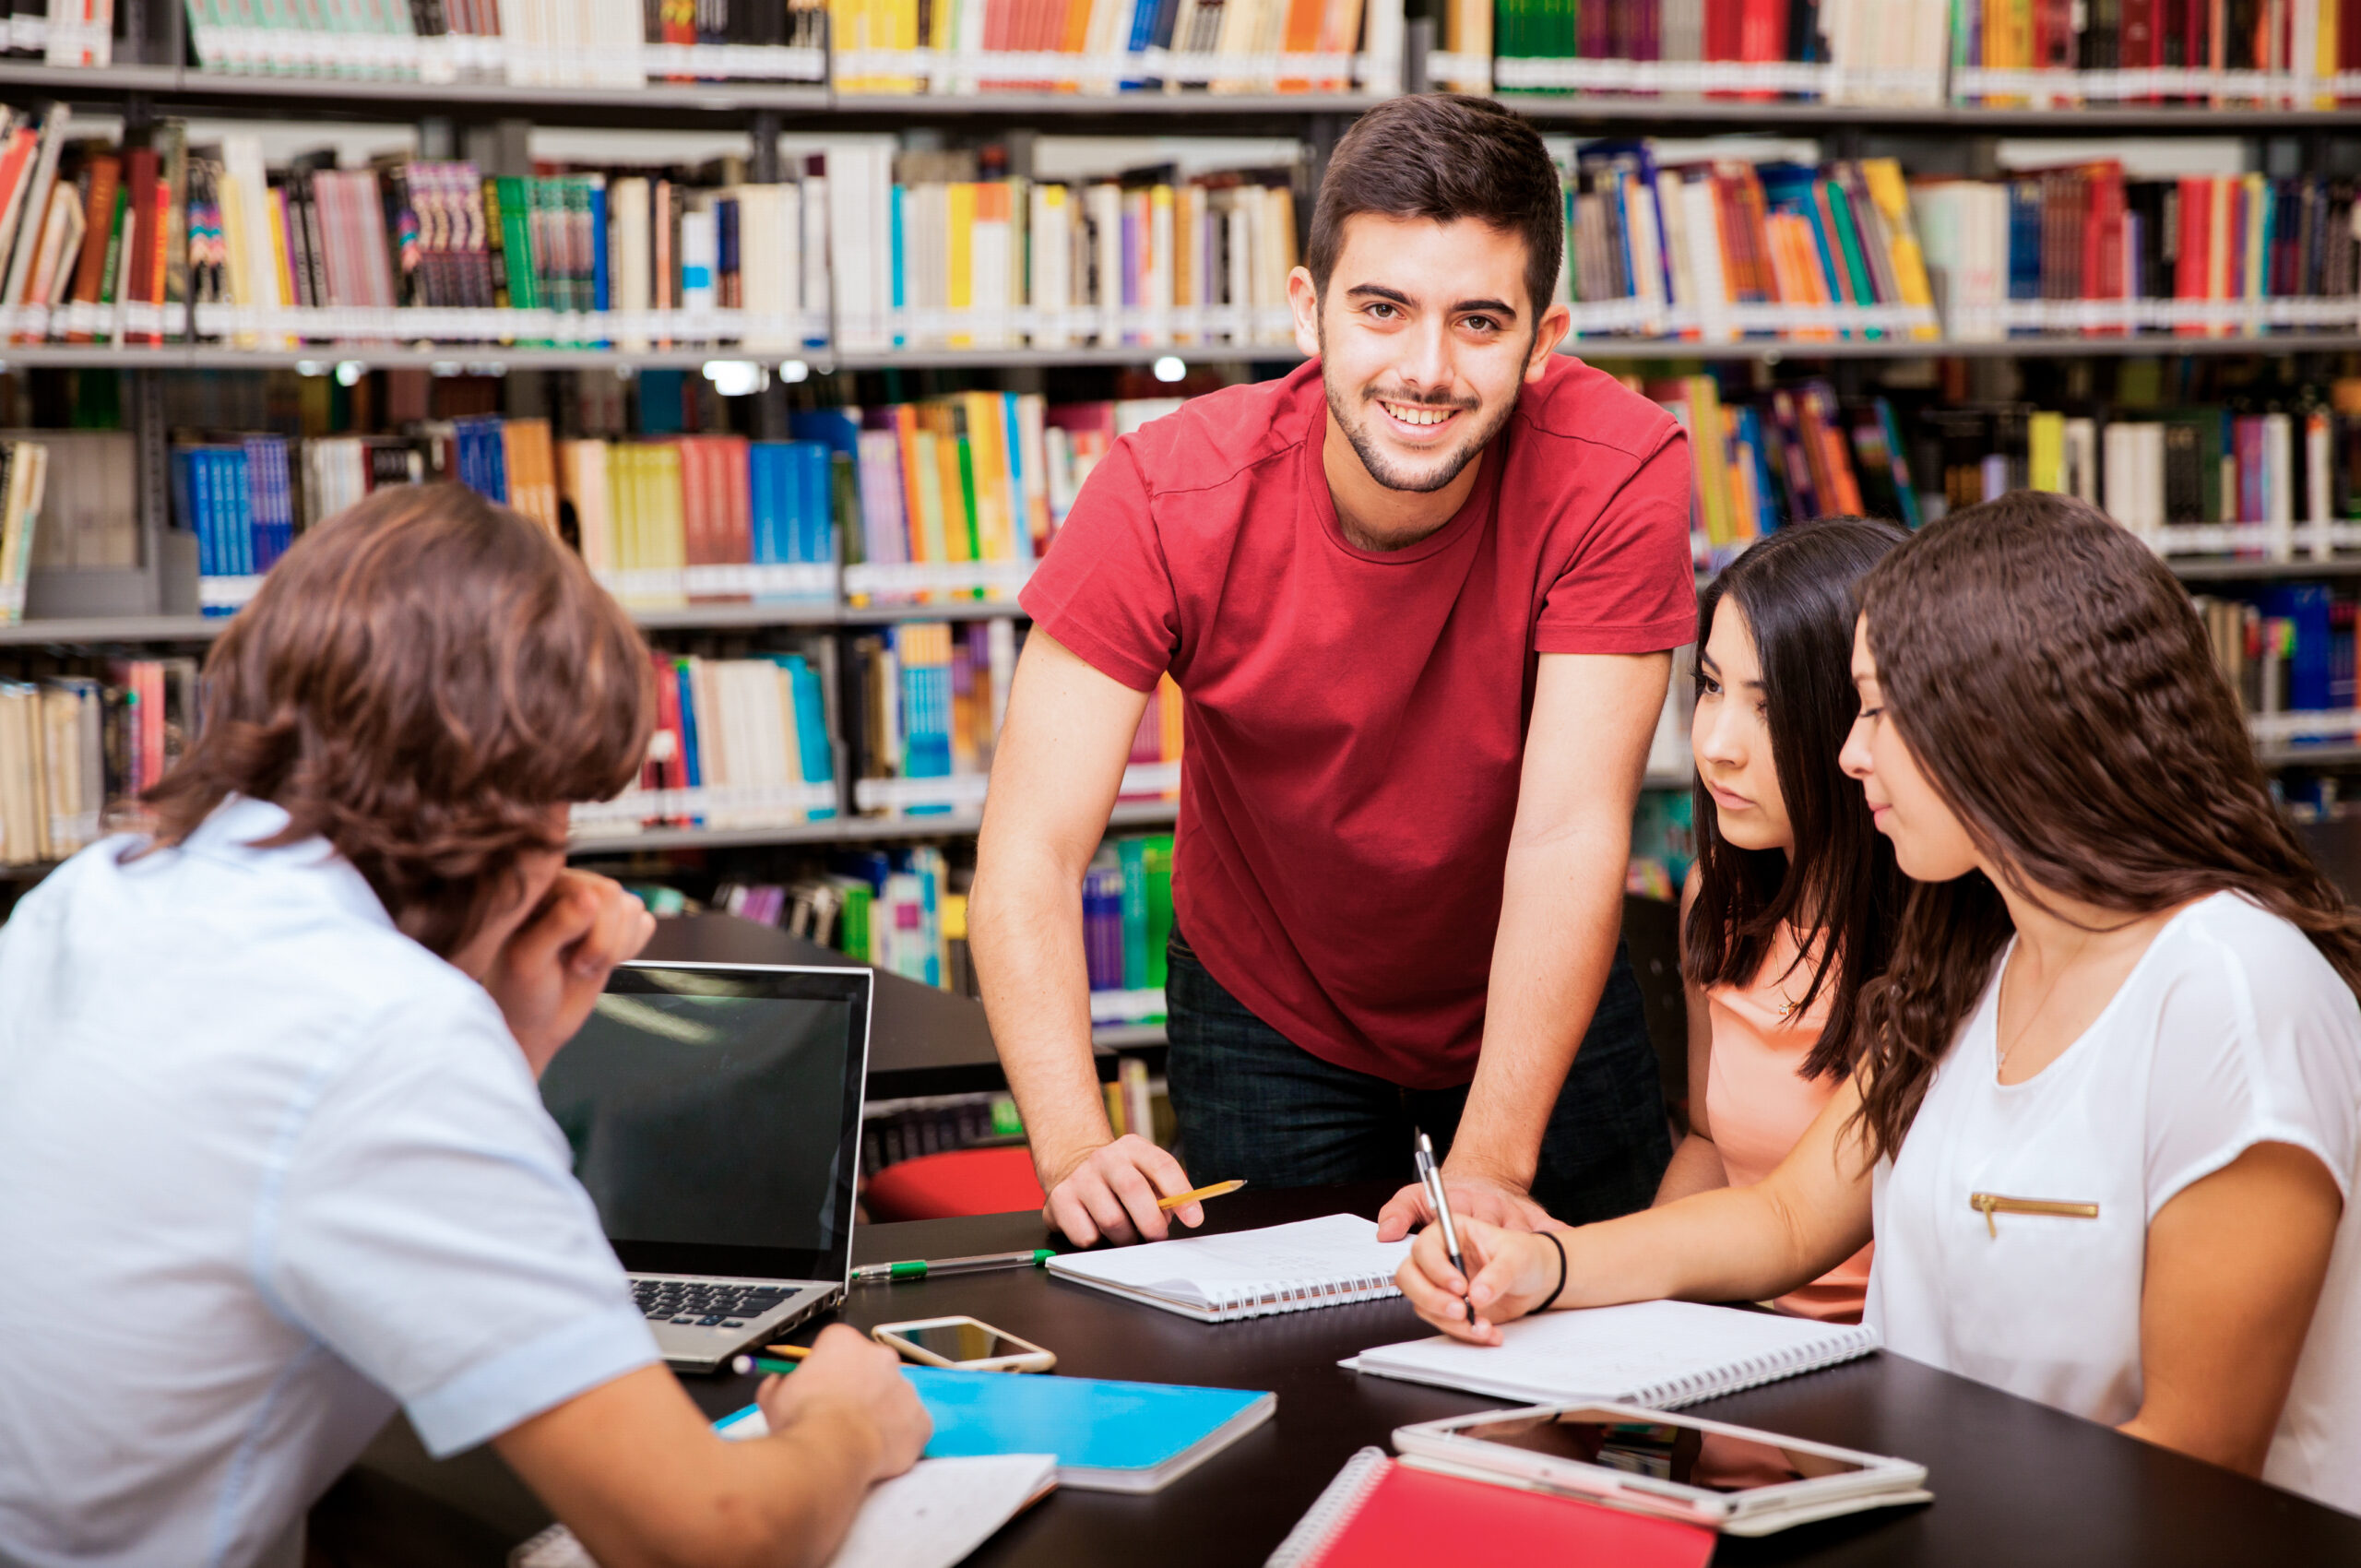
(1108, 1436)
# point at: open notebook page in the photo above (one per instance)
(931, 1515)
(1205, 1269)
(1650, 1352)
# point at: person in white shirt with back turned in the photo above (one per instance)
(2105, 1122)
(271, 1158)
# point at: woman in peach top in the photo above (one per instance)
(1789, 869)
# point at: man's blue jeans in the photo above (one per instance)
(1251, 1104)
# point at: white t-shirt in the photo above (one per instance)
(2231, 1030)
(268, 1168)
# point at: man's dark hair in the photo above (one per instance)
(1444, 156)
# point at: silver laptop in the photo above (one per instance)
(715, 1114)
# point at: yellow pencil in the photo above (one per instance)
(1216, 1190)
(788, 1352)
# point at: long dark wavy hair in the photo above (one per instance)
(2052, 681)
(1839, 889)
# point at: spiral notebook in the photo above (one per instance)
(1379, 1513)
(1242, 1273)
(1659, 1354)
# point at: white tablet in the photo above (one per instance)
(1739, 1480)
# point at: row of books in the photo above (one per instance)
(150, 240)
(964, 47)
(599, 43)
(1151, 258)
(926, 700)
(907, 923)
(60, 32)
(74, 746)
(238, 498)
(53, 768)
(1126, 917)
(2274, 481)
(950, 498)
(2087, 249)
(748, 743)
(958, 496)
(155, 241)
(2287, 650)
(895, 1130)
(1881, 51)
(924, 703)
(2002, 54)
(1787, 455)
(1993, 53)
(2272, 54)
(246, 497)
(419, 249)
(896, 909)
(2278, 54)
(955, 491)
(2269, 478)
(739, 743)
(706, 518)
(24, 480)
(340, 470)
(1723, 249)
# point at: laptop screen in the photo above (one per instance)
(715, 1116)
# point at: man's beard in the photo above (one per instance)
(1365, 446)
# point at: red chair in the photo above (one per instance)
(962, 1181)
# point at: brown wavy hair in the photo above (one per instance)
(2051, 679)
(420, 681)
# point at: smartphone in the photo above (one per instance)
(963, 1342)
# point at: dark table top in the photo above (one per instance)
(2015, 1484)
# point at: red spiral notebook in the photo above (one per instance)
(1379, 1513)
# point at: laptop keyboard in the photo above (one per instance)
(704, 1303)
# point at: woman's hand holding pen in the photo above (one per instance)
(1514, 1272)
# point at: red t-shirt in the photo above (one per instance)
(1356, 719)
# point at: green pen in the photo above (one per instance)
(743, 1365)
(873, 1273)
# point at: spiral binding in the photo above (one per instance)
(1769, 1367)
(1336, 1506)
(1263, 1300)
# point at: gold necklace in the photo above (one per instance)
(2026, 1028)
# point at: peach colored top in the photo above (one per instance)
(1759, 1108)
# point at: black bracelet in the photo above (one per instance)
(1551, 1299)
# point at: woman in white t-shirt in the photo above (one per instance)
(2108, 1106)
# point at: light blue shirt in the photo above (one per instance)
(267, 1169)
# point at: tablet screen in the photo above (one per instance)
(1667, 1450)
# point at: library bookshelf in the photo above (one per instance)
(149, 607)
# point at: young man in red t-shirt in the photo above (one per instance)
(1420, 595)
